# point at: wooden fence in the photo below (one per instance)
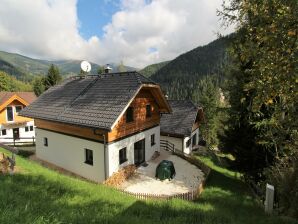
(17, 141)
(189, 196)
(166, 145)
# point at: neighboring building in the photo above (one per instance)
(13, 126)
(181, 127)
(94, 125)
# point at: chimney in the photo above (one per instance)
(108, 68)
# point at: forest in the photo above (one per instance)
(247, 84)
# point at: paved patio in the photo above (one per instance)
(188, 177)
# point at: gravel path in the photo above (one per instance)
(188, 177)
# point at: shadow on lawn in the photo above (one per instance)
(35, 199)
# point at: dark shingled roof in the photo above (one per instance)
(94, 101)
(181, 121)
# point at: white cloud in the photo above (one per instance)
(50, 29)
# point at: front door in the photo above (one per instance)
(16, 133)
(139, 152)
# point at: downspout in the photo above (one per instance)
(183, 144)
(104, 152)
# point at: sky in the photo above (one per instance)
(135, 32)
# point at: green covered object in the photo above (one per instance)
(165, 170)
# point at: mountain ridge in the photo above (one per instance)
(26, 68)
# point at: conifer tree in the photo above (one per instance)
(53, 77)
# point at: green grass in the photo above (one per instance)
(39, 195)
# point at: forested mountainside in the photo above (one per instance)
(25, 68)
(180, 76)
(152, 69)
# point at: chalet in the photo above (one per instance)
(12, 125)
(94, 125)
(181, 127)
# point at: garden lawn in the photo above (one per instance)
(39, 195)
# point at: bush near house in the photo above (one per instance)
(40, 195)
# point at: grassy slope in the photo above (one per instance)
(39, 195)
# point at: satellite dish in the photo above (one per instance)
(85, 66)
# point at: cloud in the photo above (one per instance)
(142, 32)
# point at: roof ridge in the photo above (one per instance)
(137, 77)
(146, 78)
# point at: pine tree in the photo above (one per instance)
(38, 85)
(206, 93)
(53, 77)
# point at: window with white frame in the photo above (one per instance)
(18, 108)
(9, 113)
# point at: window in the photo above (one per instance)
(129, 115)
(188, 143)
(3, 132)
(194, 139)
(122, 155)
(9, 114)
(89, 156)
(148, 111)
(18, 109)
(31, 128)
(45, 141)
(152, 139)
(26, 129)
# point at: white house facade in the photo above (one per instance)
(20, 132)
(129, 144)
(71, 155)
(95, 125)
(181, 127)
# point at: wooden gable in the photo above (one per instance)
(140, 121)
(200, 118)
(12, 102)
